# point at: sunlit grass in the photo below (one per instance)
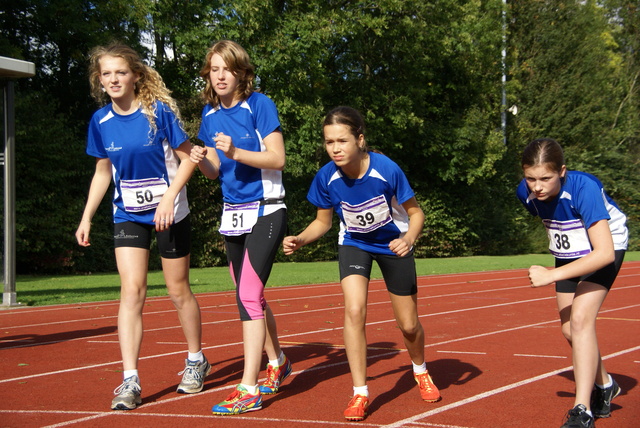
(52, 290)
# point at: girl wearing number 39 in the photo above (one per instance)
(379, 220)
(138, 141)
(588, 237)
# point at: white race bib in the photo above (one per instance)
(367, 216)
(142, 195)
(238, 219)
(567, 239)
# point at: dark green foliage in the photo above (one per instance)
(426, 75)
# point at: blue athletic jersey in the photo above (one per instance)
(582, 201)
(370, 208)
(246, 122)
(138, 156)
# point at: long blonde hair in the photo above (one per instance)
(149, 88)
(239, 63)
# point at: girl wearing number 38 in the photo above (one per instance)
(588, 237)
(379, 220)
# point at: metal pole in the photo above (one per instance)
(503, 115)
(9, 295)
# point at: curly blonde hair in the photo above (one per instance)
(239, 63)
(149, 88)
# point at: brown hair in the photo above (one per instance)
(349, 117)
(543, 151)
(238, 61)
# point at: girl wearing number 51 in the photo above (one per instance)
(588, 237)
(379, 220)
(244, 149)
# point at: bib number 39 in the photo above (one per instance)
(367, 216)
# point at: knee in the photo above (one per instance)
(180, 297)
(566, 331)
(132, 296)
(581, 324)
(410, 328)
(355, 315)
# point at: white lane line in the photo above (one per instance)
(323, 331)
(539, 356)
(486, 394)
(412, 420)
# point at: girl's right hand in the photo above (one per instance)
(539, 276)
(198, 153)
(290, 244)
(82, 234)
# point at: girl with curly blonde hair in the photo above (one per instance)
(138, 141)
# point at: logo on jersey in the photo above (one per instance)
(113, 148)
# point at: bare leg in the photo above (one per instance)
(176, 275)
(132, 266)
(354, 288)
(406, 312)
(578, 314)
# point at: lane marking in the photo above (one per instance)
(486, 394)
(539, 356)
(398, 424)
(284, 336)
(618, 319)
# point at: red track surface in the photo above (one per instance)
(494, 349)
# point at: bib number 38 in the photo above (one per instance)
(567, 239)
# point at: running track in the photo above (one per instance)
(494, 349)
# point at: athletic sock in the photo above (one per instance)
(417, 369)
(128, 373)
(197, 356)
(251, 389)
(278, 362)
(361, 390)
(607, 385)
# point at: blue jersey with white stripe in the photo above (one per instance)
(137, 154)
(582, 201)
(370, 208)
(247, 123)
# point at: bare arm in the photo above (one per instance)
(316, 229)
(272, 158)
(163, 217)
(99, 186)
(402, 246)
(602, 255)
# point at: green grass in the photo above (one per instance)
(52, 290)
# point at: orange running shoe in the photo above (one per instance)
(428, 391)
(357, 408)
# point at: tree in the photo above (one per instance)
(586, 100)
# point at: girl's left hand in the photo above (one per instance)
(400, 247)
(540, 276)
(164, 214)
(225, 144)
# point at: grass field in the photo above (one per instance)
(53, 290)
